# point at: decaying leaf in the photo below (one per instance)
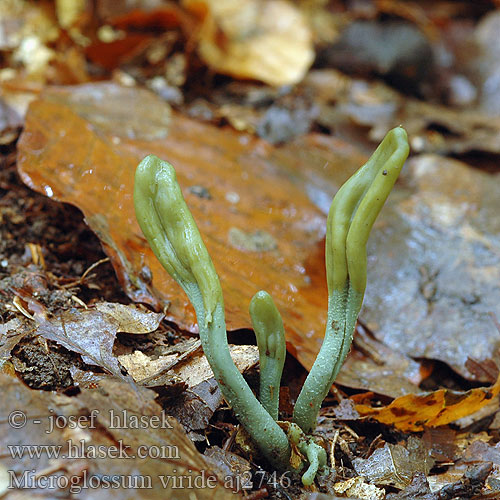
(197, 370)
(11, 332)
(432, 128)
(258, 39)
(130, 319)
(439, 244)
(92, 332)
(229, 465)
(10, 121)
(394, 464)
(192, 408)
(374, 366)
(14, 102)
(440, 443)
(141, 367)
(462, 481)
(195, 407)
(145, 117)
(418, 489)
(193, 369)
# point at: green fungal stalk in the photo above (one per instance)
(172, 233)
(175, 239)
(315, 454)
(270, 334)
(352, 214)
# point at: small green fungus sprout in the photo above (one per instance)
(174, 237)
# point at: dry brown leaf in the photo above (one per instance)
(92, 332)
(129, 318)
(197, 369)
(265, 40)
(140, 366)
(192, 370)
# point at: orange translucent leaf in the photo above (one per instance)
(415, 412)
(251, 201)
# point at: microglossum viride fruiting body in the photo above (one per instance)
(173, 235)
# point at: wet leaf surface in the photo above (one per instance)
(252, 185)
(145, 117)
(439, 244)
(373, 366)
(433, 256)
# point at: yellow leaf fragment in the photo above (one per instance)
(414, 412)
(357, 487)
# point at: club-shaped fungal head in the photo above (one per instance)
(172, 233)
(355, 208)
(270, 334)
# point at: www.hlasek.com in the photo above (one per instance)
(82, 449)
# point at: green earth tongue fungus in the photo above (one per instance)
(175, 239)
(270, 334)
(350, 219)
